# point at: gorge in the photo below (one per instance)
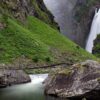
(39, 62)
(66, 15)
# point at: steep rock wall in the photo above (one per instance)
(74, 17)
(20, 9)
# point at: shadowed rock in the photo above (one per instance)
(12, 77)
(79, 81)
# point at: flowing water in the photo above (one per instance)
(29, 91)
(95, 30)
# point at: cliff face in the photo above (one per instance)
(96, 49)
(74, 17)
(20, 9)
(84, 13)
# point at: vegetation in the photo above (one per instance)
(96, 49)
(82, 10)
(36, 40)
(43, 14)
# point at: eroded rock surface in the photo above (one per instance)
(79, 81)
(12, 77)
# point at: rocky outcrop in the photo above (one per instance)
(96, 48)
(20, 9)
(79, 81)
(12, 77)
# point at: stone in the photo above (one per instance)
(79, 81)
(12, 77)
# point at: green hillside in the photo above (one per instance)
(37, 41)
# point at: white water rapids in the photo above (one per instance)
(95, 30)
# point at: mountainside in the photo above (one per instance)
(20, 9)
(96, 49)
(85, 10)
(25, 39)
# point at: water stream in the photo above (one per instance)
(29, 91)
(95, 30)
(62, 11)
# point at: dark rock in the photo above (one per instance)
(2, 26)
(83, 14)
(19, 8)
(12, 77)
(96, 48)
(79, 81)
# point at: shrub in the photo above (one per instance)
(35, 59)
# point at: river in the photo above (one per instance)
(29, 91)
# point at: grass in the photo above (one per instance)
(37, 41)
(44, 14)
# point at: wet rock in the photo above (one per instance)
(12, 77)
(79, 81)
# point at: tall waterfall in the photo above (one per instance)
(95, 30)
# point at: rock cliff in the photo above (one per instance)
(20, 9)
(79, 81)
(12, 77)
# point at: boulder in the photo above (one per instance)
(79, 81)
(12, 77)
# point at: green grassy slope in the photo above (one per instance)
(37, 41)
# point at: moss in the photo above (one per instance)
(98, 80)
(65, 71)
(37, 71)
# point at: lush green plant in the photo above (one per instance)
(37, 41)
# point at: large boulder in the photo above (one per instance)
(12, 77)
(79, 81)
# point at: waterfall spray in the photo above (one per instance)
(95, 30)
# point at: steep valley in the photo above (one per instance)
(43, 43)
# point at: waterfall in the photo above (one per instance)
(95, 30)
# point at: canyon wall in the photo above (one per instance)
(20, 9)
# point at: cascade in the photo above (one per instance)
(94, 31)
